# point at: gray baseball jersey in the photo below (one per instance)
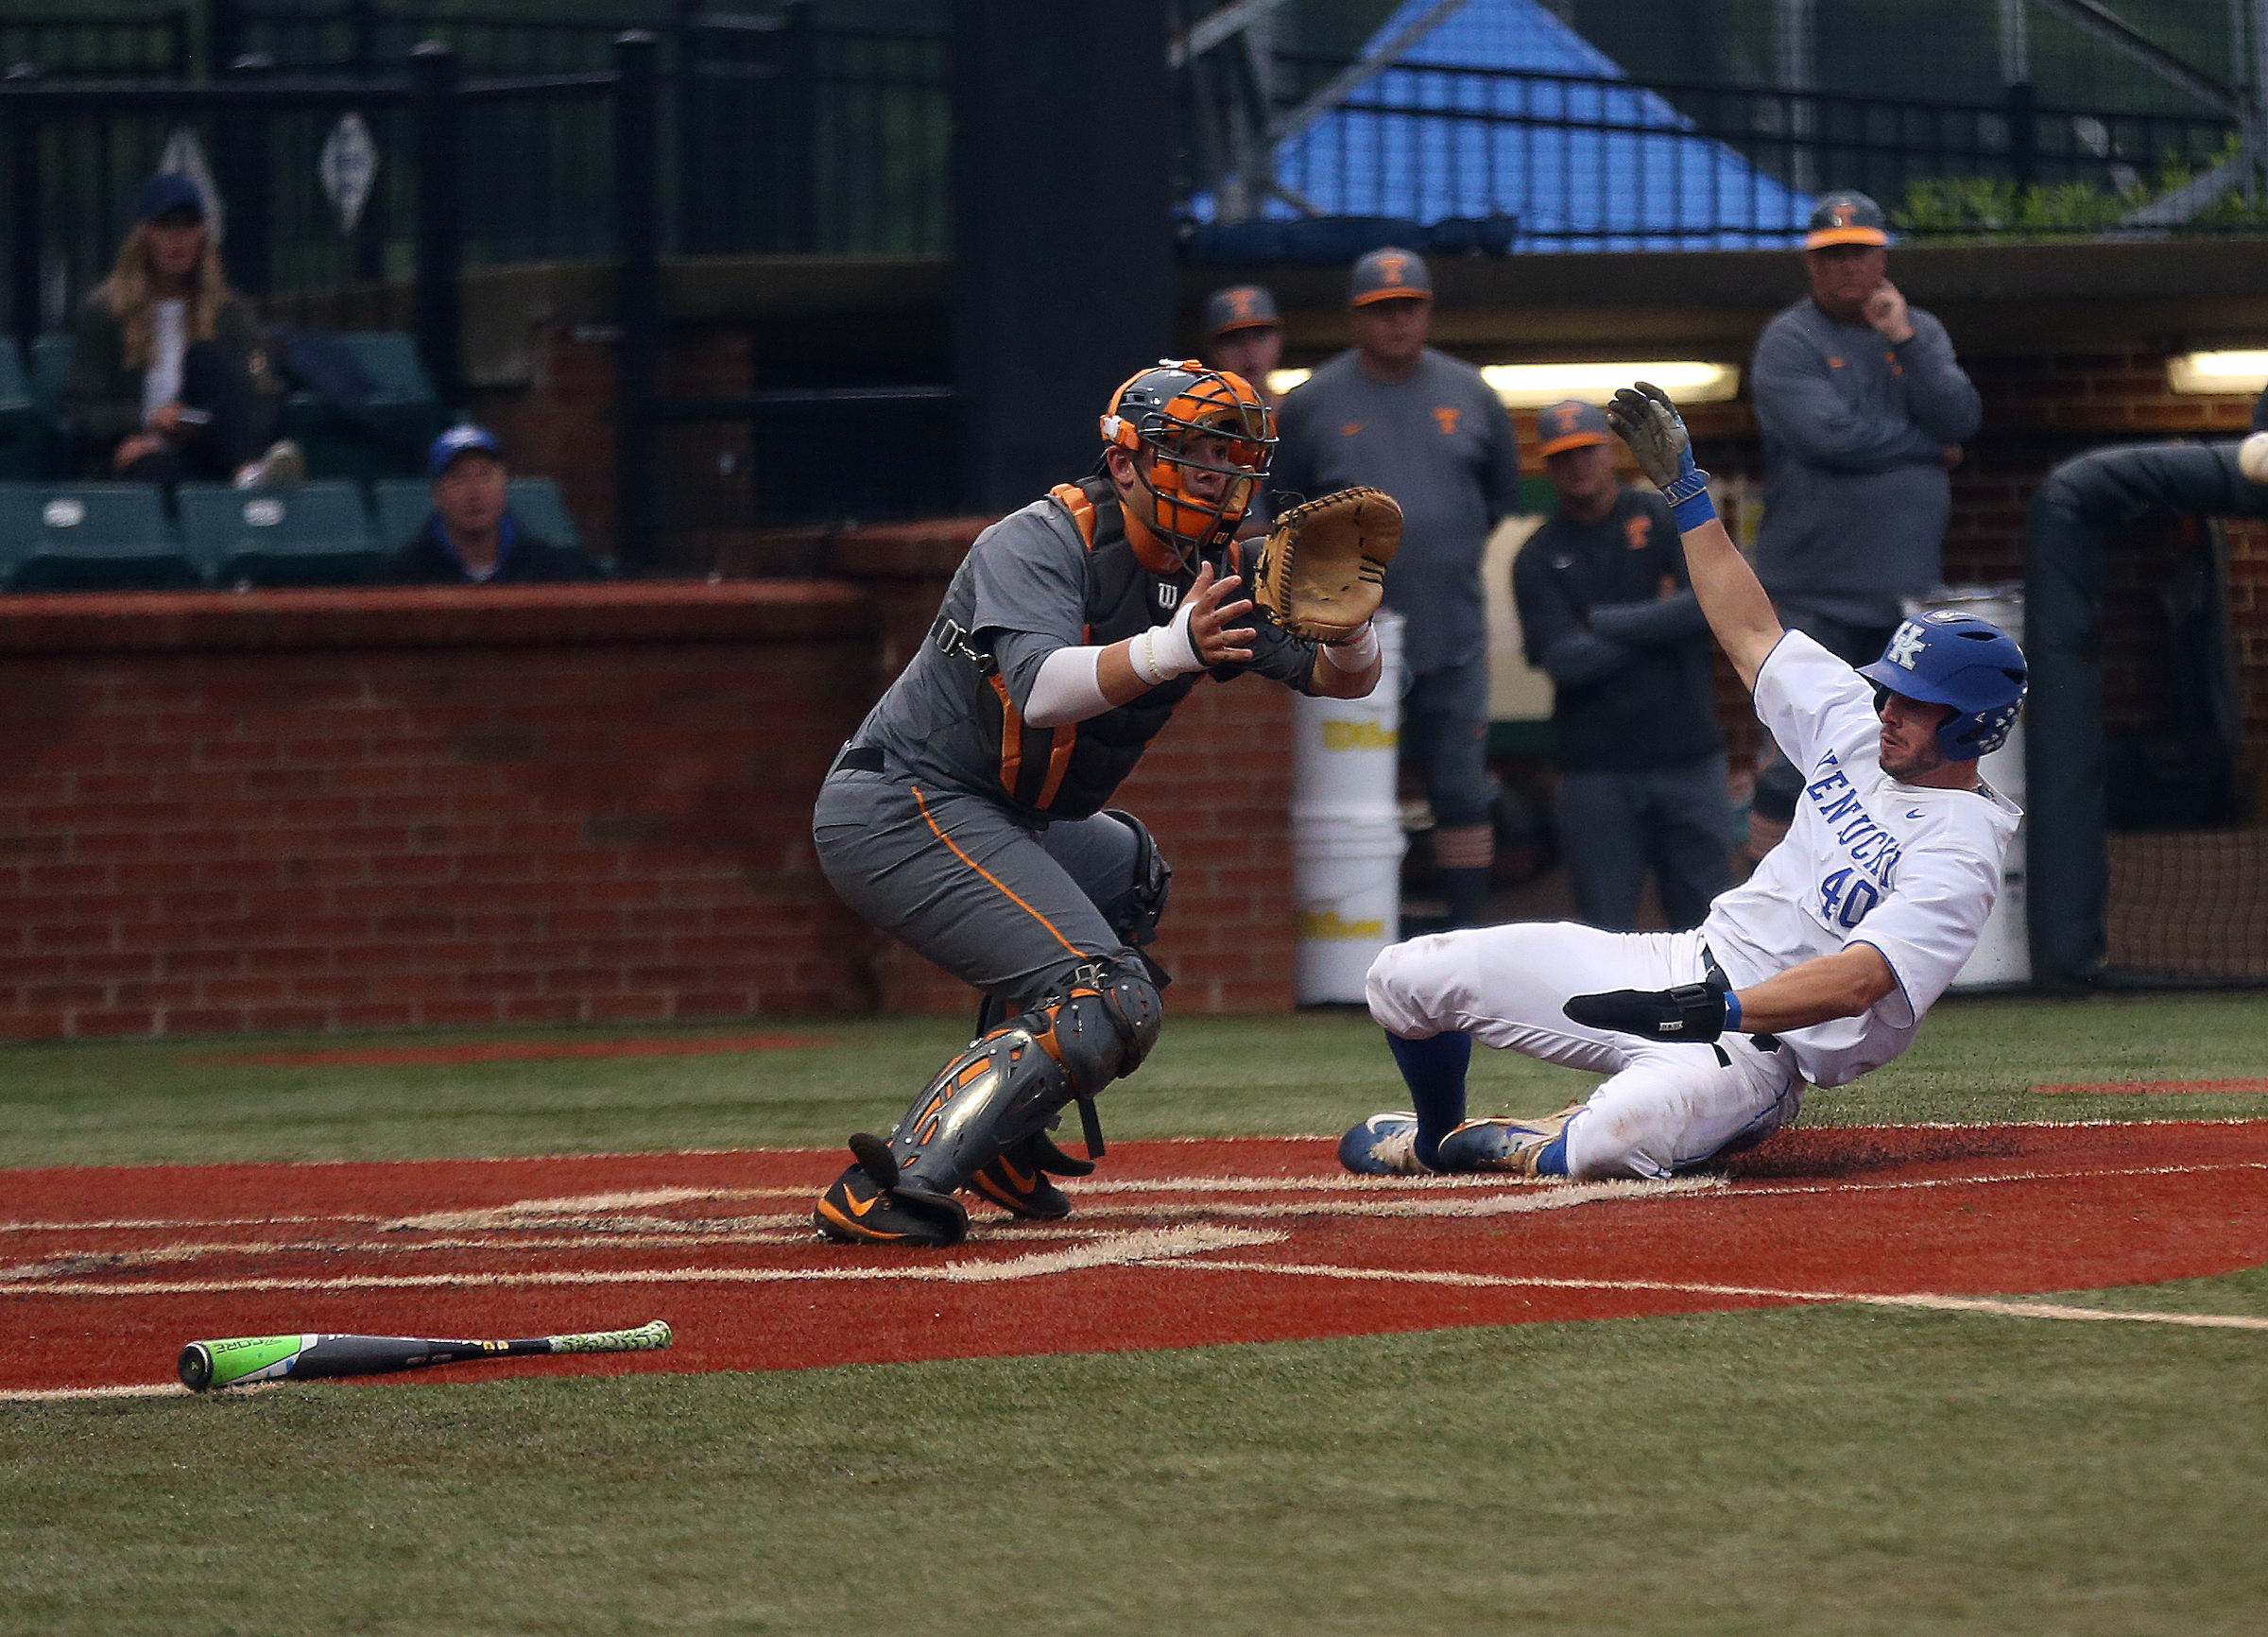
(1030, 585)
(1440, 443)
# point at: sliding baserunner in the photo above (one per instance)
(1817, 969)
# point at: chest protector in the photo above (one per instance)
(1070, 771)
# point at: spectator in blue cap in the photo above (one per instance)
(472, 538)
(169, 377)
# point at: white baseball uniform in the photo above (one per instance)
(1911, 870)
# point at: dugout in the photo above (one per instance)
(2147, 720)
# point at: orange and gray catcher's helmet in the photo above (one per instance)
(1170, 410)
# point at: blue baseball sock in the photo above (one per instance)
(1435, 1072)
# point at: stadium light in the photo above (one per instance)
(1533, 386)
(2224, 372)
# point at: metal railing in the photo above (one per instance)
(144, 44)
(1595, 163)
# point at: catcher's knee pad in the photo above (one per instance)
(1010, 1084)
(1133, 913)
(1103, 1022)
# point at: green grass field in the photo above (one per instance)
(1832, 1470)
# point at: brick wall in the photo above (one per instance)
(514, 805)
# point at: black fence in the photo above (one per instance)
(1589, 162)
(142, 45)
(781, 137)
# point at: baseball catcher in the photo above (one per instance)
(970, 814)
(1817, 969)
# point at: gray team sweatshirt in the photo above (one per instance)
(1856, 492)
(1440, 443)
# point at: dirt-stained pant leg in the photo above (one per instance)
(1663, 1108)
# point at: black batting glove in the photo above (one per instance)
(1692, 1011)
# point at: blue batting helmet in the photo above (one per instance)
(1957, 659)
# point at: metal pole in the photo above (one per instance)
(1794, 60)
(440, 216)
(224, 34)
(2023, 133)
(362, 27)
(798, 105)
(2016, 43)
(177, 41)
(23, 198)
(247, 157)
(637, 296)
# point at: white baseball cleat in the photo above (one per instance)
(1384, 1145)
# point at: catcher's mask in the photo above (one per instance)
(1168, 411)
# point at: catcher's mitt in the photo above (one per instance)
(1323, 567)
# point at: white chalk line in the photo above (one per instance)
(54, 1278)
(58, 1395)
(1104, 1250)
(553, 1217)
(521, 1213)
(1679, 1288)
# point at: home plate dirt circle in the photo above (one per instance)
(106, 1273)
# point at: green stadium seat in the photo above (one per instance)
(399, 507)
(90, 537)
(51, 369)
(311, 534)
(389, 358)
(23, 438)
(536, 502)
(405, 414)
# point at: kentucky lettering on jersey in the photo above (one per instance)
(1910, 869)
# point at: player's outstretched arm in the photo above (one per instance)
(1844, 984)
(1740, 613)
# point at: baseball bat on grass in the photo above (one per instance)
(242, 1358)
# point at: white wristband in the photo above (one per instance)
(1163, 652)
(1356, 653)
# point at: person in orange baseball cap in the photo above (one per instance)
(1243, 334)
(1395, 413)
(1863, 409)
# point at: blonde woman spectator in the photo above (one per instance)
(169, 378)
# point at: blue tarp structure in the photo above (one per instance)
(1582, 166)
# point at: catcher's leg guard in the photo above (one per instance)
(1006, 1088)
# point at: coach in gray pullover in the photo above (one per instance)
(1863, 409)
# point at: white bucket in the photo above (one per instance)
(1346, 875)
(2003, 952)
(1346, 839)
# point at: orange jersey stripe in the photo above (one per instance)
(926, 818)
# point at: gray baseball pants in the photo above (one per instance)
(963, 882)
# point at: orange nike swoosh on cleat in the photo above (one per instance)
(860, 1228)
(860, 1210)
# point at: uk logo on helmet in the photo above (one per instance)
(1905, 647)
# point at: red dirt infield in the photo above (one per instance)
(107, 1272)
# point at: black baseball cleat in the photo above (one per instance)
(1017, 1180)
(862, 1208)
